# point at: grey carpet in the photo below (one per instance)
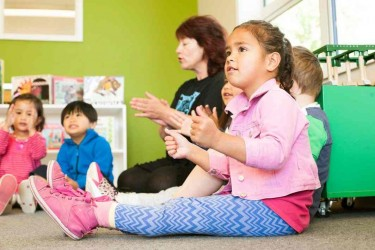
(344, 229)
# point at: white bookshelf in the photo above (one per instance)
(52, 113)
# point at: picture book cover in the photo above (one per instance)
(54, 134)
(6, 93)
(1, 80)
(103, 89)
(38, 85)
(67, 89)
(105, 127)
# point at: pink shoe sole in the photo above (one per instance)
(54, 217)
(8, 186)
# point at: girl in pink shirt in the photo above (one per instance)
(21, 149)
(265, 158)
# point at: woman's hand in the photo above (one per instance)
(178, 147)
(150, 107)
(158, 111)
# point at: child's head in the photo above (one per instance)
(229, 91)
(308, 74)
(210, 36)
(77, 117)
(256, 52)
(28, 104)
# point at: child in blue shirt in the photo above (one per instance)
(84, 146)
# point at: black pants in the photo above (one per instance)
(152, 177)
(41, 171)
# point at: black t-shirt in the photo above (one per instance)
(193, 93)
(204, 92)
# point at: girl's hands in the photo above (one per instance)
(185, 127)
(9, 119)
(178, 147)
(212, 114)
(10, 116)
(204, 131)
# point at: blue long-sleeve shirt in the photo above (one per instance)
(75, 159)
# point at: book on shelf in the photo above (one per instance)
(103, 89)
(66, 89)
(1, 80)
(6, 93)
(38, 85)
(105, 127)
(54, 134)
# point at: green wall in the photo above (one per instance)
(121, 37)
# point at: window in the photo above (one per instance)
(354, 21)
(51, 20)
(301, 24)
(314, 23)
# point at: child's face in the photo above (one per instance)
(25, 115)
(190, 54)
(228, 92)
(76, 125)
(245, 66)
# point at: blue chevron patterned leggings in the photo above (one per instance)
(222, 215)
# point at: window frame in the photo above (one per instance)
(277, 8)
(76, 37)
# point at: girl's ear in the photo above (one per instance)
(272, 61)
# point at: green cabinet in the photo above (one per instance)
(351, 114)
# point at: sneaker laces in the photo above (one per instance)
(67, 190)
(70, 193)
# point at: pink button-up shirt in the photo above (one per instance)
(278, 155)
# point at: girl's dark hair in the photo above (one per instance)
(80, 107)
(273, 40)
(38, 107)
(210, 35)
(224, 121)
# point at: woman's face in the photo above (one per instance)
(190, 54)
(228, 92)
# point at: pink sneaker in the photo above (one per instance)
(8, 186)
(97, 184)
(56, 180)
(74, 214)
(55, 176)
